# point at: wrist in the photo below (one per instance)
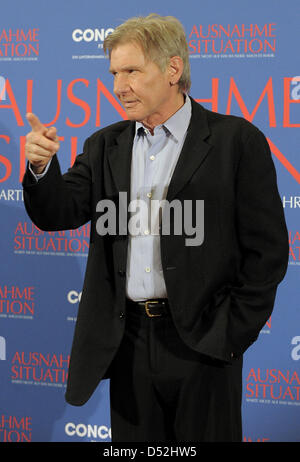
(37, 170)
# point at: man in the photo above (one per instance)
(166, 319)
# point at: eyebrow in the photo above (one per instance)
(126, 68)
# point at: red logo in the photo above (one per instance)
(19, 43)
(294, 240)
(29, 239)
(273, 386)
(232, 39)
(246, 439)
(17, 302)
(38, 368)
(15, 429)
(267, 327)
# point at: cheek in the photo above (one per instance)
(138, 86)
(150, 91)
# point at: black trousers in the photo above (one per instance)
(163, 391)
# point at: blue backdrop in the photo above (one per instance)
(245, 61)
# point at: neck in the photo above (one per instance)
(159, 119)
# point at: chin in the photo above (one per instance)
(131, 116)
(134, 116)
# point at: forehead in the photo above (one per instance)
(126, 53)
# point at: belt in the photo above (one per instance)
(152, 308)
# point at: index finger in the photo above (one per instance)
(35, 123)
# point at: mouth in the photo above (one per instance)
(129, 104)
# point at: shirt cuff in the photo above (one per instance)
(38, 176)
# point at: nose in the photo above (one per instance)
(121, 84)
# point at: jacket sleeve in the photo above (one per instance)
(263, 240)
(57, 201)
(241, 307)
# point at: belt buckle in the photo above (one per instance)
(147, 309)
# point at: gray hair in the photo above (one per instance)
(160, 37)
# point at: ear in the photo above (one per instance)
(175, 69)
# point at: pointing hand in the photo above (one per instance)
(41, 143)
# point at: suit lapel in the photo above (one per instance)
(194, 150)
(193, 153)
(119, 157)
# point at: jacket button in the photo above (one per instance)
(121, 273)
(122, 315)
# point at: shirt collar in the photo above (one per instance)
(177, 124)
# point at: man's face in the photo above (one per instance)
(141, 87)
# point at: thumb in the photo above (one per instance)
(35, 123)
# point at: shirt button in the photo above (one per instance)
(152, 157)
(146, 232)
(147, 269)
(149, 194)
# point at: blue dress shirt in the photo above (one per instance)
(154, 158)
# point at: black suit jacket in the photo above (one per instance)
(222, 292)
